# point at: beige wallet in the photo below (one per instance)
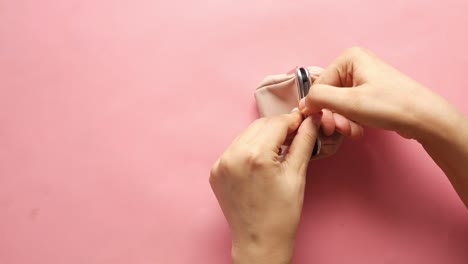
(279, 94)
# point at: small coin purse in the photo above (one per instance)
(279, 94)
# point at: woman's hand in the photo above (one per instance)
(334, 127)
(334, 123)
(363, 88)
(260, 194)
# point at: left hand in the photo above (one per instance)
(260, 195)
(332, 122)
(334, 127)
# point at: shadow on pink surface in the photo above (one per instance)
(368, 200)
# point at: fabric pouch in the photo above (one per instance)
(279, 94)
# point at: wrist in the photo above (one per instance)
(255, 251)
(438, 121)
(445, 141)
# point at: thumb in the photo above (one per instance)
(301, 148)
(322, 96)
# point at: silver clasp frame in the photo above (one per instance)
(303, 83)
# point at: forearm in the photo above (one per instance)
(446, 141)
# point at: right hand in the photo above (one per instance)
(363, 88)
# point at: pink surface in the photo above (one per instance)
(112, 112)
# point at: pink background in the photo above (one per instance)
(112, 112)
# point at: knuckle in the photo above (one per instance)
(314, 99)
(244, 161)
(212, 180)
(347, 65)
(356, 54)
(313, 94)
(309, 137)
(282, 119)
(349, 53)
(214, 172)
(355, 50)
(224, 165)
(221, 169)
(297, 122)
(255, 159)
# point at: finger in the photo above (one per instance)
(277, 128)
(330, 145)
(338, 73)
(331, 76)
(328, 123)
(315, 72)
(303, 144)
(343, 100)
(357, 131)
(258, 126)
(341, 72)
(348, 127)
(342, 124)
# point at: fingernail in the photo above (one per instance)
(302, 103)
(295, 109)
(315, 72)
(317, 118)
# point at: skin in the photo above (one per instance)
(334, 125)
(333, 128)
(261, 196)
